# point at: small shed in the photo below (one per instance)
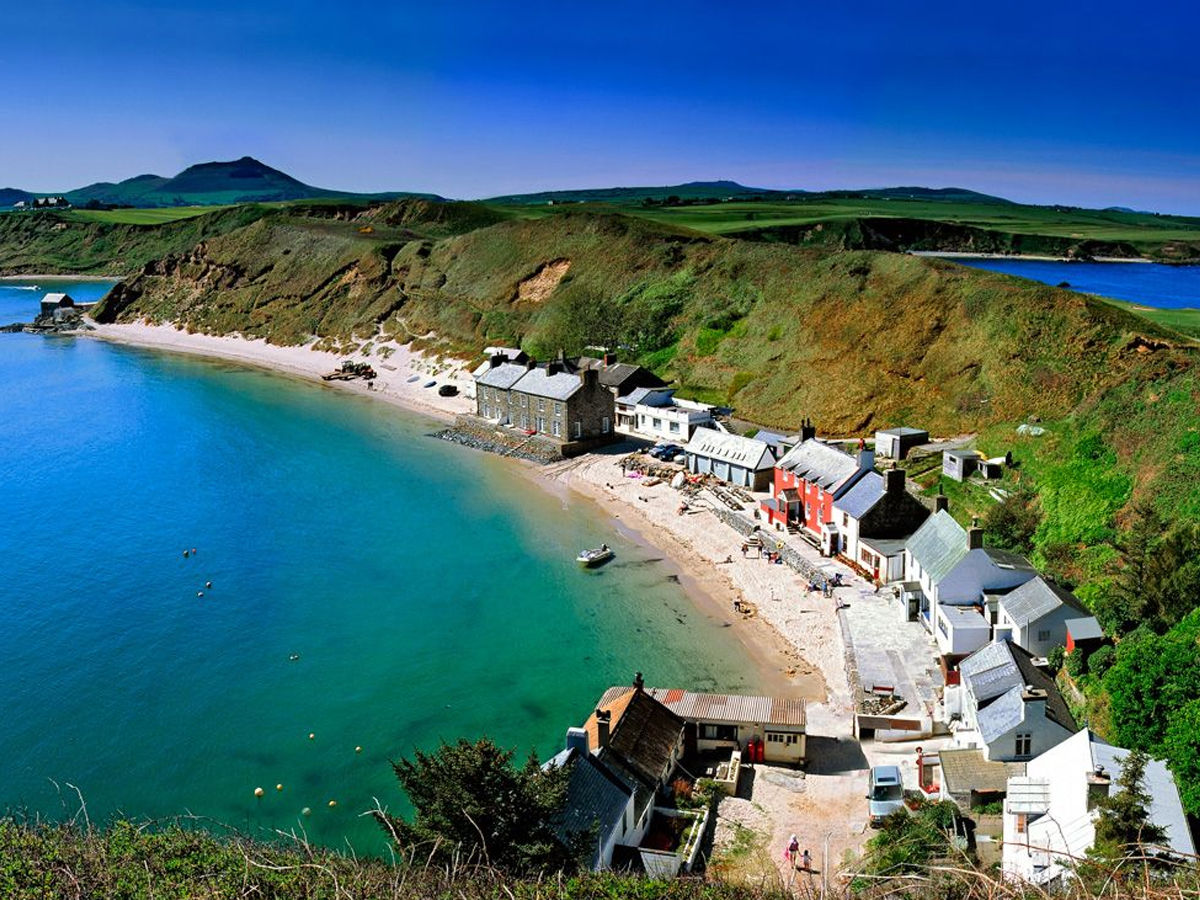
(51, 302)
(959, 464)
(894, 443)
(1084, 633)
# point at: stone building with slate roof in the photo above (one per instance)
(878, 507)
(1009, 708)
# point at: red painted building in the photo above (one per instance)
(808, 479)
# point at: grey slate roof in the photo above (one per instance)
(540, 383)
(731, 448)
(1084, 628)
(938, 545)
(819, 463)
(1006, 559)
(503, 376)
(1002, 715)
(862, 497)
(903, 431)
(1036, 598)
(637, 395)
(967, 770)
(995, 670)
(595, 797)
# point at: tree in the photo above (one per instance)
(1123, 827)
(1132, 588)
(1182, 746)
(909, 842)
(1011, 523)
(471, 803)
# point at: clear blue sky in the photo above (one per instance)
(1093, 106)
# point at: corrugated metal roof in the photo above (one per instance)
(503, 376)
(540, 383)
(1028, 795)
(819, 463)
(731, 448)
(1036, 598)
(938, 545)
(722, 708)
(862, 497)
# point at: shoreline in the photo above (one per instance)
(393, 371)
(954, 254)
(43, 277)
(782, 663)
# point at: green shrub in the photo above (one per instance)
(1076, 663)
(1101, 660)
(1055, 658)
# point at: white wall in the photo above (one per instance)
(960, 636)
(1029, 636)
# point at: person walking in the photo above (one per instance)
(806, 861)
(793, 846)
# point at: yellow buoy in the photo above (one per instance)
(279, 787)
(258, 792)
(332, 804)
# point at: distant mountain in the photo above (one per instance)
(244, 180)
(9, 196)
(696, 191)
(692, 190)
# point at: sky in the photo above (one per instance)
(1084, 104)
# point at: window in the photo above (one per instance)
(658, 424)
(557, 427)
(710, 732)
(942, 627)
(539, 424)
(1044, 635)
(775, 737)
(642, 418)
(557, 408)
(1022, 823)
(845, 519)
(604, 425)
(541, 404)
(1024, 744)
(578, 430)
(674, 428)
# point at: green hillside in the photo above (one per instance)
(726, 191)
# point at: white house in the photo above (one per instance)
(730, 457)
(954, 569)
(658, 415)
(1036, 614)
(597, 798)
(1050, 811)
(1008, 707)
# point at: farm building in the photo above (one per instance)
(732, 458)
(894, 443)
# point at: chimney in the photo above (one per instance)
(639, 683)
(866, 458)
(530, 364)
(941, 503)
(577, 738)
(562, 356)
(497, 359)
(1098, 784)
(553, 368)
(603, 725)
(893, 480)
(609, 359)
(975, 535)
(590, 377)
(807, 432)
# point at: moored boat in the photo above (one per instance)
(597, 556)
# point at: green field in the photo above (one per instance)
(1184, 321)
(141, 216)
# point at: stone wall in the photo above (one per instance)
(790, 556)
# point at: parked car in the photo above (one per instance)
(448, 390)
(666, 451)
(885, 793)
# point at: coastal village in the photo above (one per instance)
(915, 647)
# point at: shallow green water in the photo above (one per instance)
(429, 592)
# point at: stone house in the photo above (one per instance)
(875, 517)
(553, 400)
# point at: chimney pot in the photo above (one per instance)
(974, 538)
(941, 503)
(894, 480)
(639, 683)
(530, 364)
(603, 726)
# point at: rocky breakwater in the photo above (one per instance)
(470, 431)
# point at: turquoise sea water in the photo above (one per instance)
(1151, 284)
(429, 592)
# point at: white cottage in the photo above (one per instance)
(1050, 812)
(1036, 614)
(1008, 707)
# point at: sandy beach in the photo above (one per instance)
(395, 364)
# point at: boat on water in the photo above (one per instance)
(597, 556)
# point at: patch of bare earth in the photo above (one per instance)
(541, 284)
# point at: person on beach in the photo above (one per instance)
(745, 550)
(806, 861)
(789, 852)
